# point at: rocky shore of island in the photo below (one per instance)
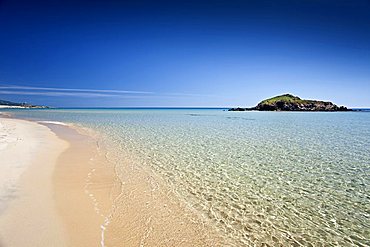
(289, 102)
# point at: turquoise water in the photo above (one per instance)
(274, 178)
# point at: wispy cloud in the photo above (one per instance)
(74, 90)
(79, 92)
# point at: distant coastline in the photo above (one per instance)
(9, 104)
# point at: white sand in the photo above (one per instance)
(17, 144)
(28, 154)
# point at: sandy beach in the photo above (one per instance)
(58, 189)
(45, 195)
(84, 188)
(28, 154)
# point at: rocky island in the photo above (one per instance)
(9, 104)
(288, 102)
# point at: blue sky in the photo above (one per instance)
(183, 53)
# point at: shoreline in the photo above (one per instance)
(90, 205)
(147, 212)
(83, 184)
(51, 203)
(136, 209)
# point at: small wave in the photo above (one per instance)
(53, 122)
(103, 227)
(200, 115)
(242, 118)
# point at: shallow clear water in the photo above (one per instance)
(279, 178)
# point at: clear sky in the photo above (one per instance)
(184, 53)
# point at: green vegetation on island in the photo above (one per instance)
(288, 102)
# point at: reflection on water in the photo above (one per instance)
(270, 178)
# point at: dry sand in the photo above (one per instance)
(28, 154)
(50, 183)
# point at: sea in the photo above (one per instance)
(261, 178)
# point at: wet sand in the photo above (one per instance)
(84, 184)
(135, 210)
(147, 213)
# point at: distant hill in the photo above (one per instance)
(288, 102)
(21, 105)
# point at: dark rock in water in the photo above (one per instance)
(288, 102)
(238, 109)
